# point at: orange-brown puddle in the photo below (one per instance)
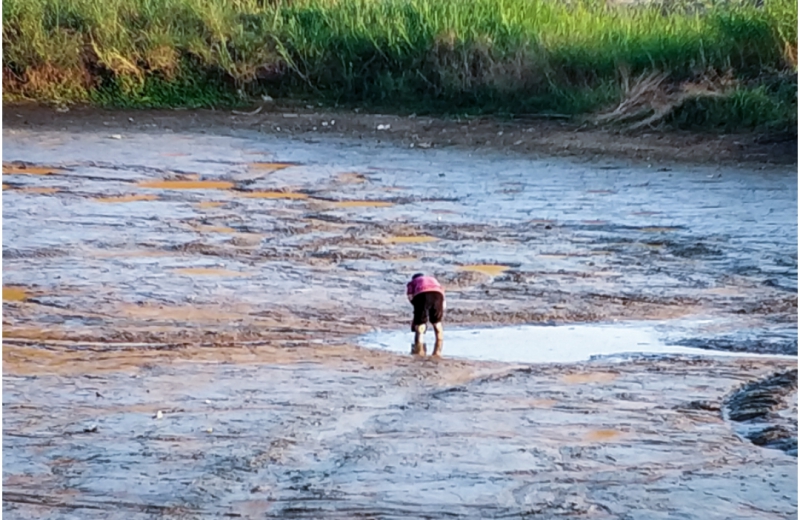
(410, 239)
(14, 294)
(487, 269)
(270, 166)
(14, 169)
(187, 185)
(601, 435)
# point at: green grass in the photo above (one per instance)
(500, 56)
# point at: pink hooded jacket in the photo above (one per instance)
(423, 284)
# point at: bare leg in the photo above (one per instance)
(438, 328)
(419, 346)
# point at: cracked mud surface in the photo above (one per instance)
(223, 278)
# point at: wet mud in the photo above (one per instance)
(223, 279)
(767, 411)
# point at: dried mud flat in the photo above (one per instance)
(221, 275)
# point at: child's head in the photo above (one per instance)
(417, 276)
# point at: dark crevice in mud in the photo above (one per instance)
(11, 497)
(757, 406)
(771, 345)
(48, 252)
(771, 282)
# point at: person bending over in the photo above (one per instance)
(427, 296)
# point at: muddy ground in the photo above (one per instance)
(531, 137)
(216, 269)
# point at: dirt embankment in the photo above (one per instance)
(536, 137)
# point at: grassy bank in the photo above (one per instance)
(724, 66)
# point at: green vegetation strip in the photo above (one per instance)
(734, 63)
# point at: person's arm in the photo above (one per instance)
(408, 292)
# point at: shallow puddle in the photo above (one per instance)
(544, 344)
(187, 185)
(487, 269)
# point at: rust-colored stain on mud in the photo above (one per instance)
(16, 169)
(210, 204)
(363, 204)
(187, 185)
(588, 377)
(126, 198)
(271, 166)
(274, 195)
(14, 294)
(40, 191)
(410, 239)
(487, 269)
(206, 271)
(602, 435)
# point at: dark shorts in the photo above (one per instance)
(427, 305)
